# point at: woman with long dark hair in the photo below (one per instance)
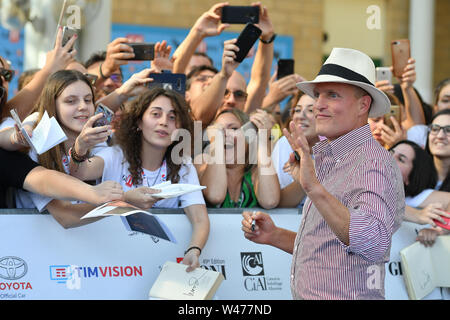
(144, 156)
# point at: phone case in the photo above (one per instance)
(383, 73)
(285, 68)
(240, 14)
(68, 33)
(395, 112)
(400, 50)
(246, 40)
(171, 81)
(143, 51)
(440, 224)
(108, 115)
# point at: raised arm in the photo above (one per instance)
(56, 60)
(131, 88)
(207, 25)
(213, 173)
(260, 74)
(413, 107)
(118, 54)
(205, 106)
(267, 187)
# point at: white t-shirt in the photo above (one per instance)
(418, 199)
(418, 134)
(280, 155)
(116, 169)
(29, 200)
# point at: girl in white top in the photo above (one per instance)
(143, 158)
(69, 97)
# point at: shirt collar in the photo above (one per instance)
(344, 144)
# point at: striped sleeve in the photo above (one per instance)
(373, 211)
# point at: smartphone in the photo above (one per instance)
(68, 33)
(166, 80)
(395, 112)
(285, 68)
(108, 115)
(143, 51)
(240, 14)
(401, 52)
(383, 73)
(246, 40)
(440, 224)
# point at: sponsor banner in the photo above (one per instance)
(102, 260)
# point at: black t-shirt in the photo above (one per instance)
(14, 168)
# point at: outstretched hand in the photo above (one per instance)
(302, 171)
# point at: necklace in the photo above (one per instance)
(157, 175)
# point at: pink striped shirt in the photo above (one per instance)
(364, 177)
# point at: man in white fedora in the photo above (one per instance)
(355, 190)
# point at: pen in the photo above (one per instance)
(297, 156)
(253, 221)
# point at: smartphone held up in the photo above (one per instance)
(400, 50)
(246, 40)
(240, 14)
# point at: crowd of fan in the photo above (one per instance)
(126, 158)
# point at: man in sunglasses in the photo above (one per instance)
(106, 66)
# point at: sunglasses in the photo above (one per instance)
(238, 94)
(434, 129)
(7, 74)
(116, 77)
(91, 77)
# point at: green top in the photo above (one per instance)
(247, 199)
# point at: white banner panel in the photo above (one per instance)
(41, 260)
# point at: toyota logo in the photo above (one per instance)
(12, 268)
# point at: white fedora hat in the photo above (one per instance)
(351, 67)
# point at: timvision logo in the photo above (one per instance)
(71, 275)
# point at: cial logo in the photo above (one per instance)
(12, 268)
(252, 264)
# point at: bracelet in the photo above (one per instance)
(193, 248)
(100, 71)
(270, 40)
(75, 157)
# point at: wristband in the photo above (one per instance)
(100, 71)
(193, 248)
(75, 157)
(270, 40)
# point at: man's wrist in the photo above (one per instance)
(104, 71)
(268, 38)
